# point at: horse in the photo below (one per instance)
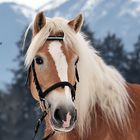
(87, 99)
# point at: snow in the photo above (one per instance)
(34, 4)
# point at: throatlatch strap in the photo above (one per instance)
(77, 75)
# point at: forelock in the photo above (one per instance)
(53, 25)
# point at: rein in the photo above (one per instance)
(42, 94)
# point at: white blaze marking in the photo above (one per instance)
(60, 63)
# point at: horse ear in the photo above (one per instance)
(40, 21)
(76, 23)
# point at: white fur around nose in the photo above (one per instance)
(60, 63)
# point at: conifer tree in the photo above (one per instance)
(112, 51)
(134, 63)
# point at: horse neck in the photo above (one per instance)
(99, 127)
(99, 124)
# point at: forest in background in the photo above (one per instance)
(18, 110)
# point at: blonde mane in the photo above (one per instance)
(99, 83)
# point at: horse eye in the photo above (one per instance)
(39, 60)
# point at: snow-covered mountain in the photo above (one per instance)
(119, 16)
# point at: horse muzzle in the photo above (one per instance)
(63, 119)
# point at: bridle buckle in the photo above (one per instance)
(44, 104)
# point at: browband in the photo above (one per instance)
(51, 38)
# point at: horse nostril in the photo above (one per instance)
(57, 115)
(64, 116)
(60, 115)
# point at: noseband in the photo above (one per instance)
(42, 94)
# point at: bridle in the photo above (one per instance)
(42, 94)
